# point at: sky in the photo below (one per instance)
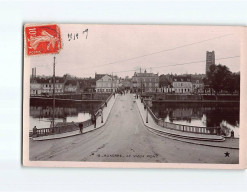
(123, 49)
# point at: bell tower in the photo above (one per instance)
(210, 59)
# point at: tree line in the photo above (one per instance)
(220, 78)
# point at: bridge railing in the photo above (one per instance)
(184, 128)
(68, 127)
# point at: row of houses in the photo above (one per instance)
(104, 83)
(65, 84)
(150, 82)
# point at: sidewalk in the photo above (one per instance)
(106, 112)
(152, 125)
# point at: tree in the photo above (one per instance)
(217, 77)
(165, 81)
(230, 83)
(237, 82)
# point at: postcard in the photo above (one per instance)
(134, 96)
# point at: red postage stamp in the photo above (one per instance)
(43, 39)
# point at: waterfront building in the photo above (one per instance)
(71, 86)
(35, 87)
(210, 60)
(87, 85)
(182, 84)
(145, 82)
(197, 84)
(106, 84)
(99, 76)
(47, 85)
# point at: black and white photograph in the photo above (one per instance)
(132, 95)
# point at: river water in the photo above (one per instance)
(200, 114)
(193, 114)
(41, 113)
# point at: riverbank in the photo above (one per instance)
(163, 97)
(196, 101)
(33, 99)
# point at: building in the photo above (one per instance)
(71, 86)
(197, 83)
(99, 76)
(182, 84)
(47, 85)
(210, 59)
(87, 85)
(145, 82)
(126, 83)
(35, 87)
(106, 84)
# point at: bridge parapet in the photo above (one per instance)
(68, 127)
(179, 127)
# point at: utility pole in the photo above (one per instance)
(53, 116)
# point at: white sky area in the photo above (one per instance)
(111, 43)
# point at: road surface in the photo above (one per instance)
(125, 138)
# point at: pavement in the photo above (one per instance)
(125, 138)
(99, 124)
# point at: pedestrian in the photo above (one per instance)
(101, 114)
(81, 127)
(93, 119)
(35, 130)
(114, 94)
(105, 104)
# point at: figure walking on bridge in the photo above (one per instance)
(93, 119)
(34, 130)
(81, 127)
(101, 114)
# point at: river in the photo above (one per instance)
(41, 113)
(200, 114)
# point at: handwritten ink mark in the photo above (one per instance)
(85, 31)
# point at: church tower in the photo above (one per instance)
(210, 59)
